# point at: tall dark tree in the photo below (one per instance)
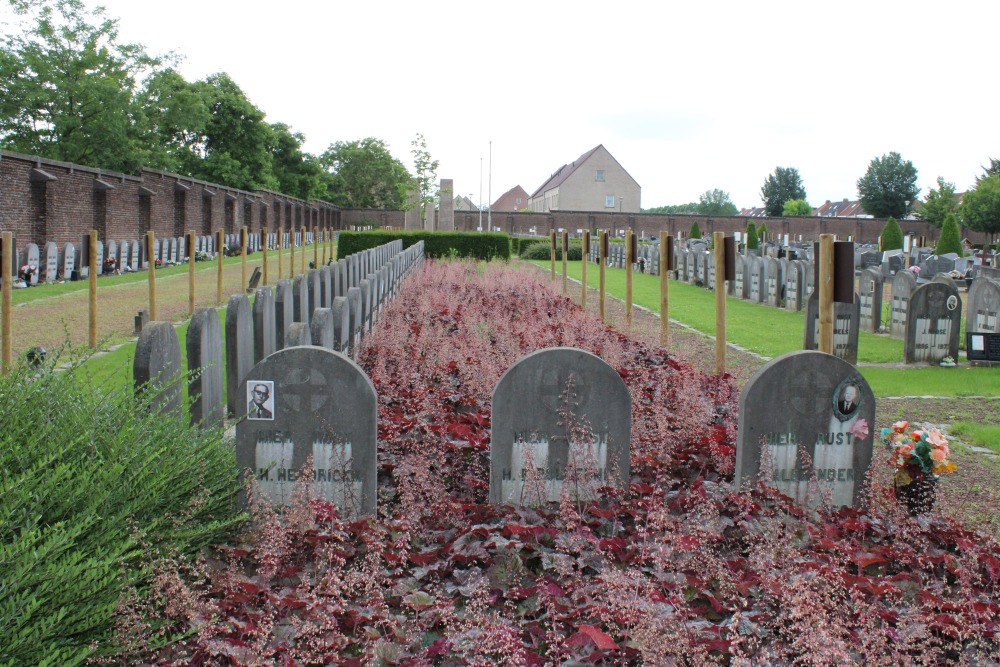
(784, 184)
(171, 115)
(892, 235)
(889, 187)
(980, 207)
(716, 202)
(939, 203)
(366, 175)
(950, 240)
(298, 173)
(992, 170)
(66, 86)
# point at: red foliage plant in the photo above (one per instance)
(678, 569)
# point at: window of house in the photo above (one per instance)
(609, 201)
(600, 175)
(518, 200)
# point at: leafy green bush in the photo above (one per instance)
(527, 244)
(762, 233)
(543, 251)
(892, 235)
(92, 482)
(477, 245)
(695, 230)
(752, 241)
(950, 240)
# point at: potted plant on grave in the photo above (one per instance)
(26, 272)
(919, 457)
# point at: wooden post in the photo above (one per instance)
(718, 239)
(565, 251)
(281, 248)
(583, 268)
(664, 309)
(291, 237)
(244, 241)
(222, 255)
(263, 247)
(552, 253)
(189, 246)
(629, 260)
(603, 253)
(825, 293)
(7, 275)
(150, 241)
(315, 247)
(92, 261)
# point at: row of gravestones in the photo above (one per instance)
(332, 307)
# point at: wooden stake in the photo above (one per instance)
(222, 255)
(825, 293)
(190, 252)
(629, 260)
(7, 275)
(718, 238)
(664, 309)
(92, 260)
(244, 241)
(151, 260)
(565, 251)
(263, 247)
(602, 252)
(583, 269)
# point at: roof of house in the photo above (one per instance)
(513, 192)
(840, 209)
(563, 172)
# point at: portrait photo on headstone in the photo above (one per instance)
(260, 399)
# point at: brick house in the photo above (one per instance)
(595, 181)
(514, 200)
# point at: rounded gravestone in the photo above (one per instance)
(157, 366)
(815, 414)
(264, 334)
(300, 299)
(354, 310)
(341, 316)
(870, 289)
(239, 346)
(560, 415)
(932, 323)
(983, 308)
(298, 334)
(903, 285)
(204, 354)
(321, 328)
(284, 311)
(326, 284)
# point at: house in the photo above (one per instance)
(595, 181)
(515, 199)
(463, 203)
(841, 209)
(753, 212)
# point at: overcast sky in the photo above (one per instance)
(687, 96)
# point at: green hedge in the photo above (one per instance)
(525, 245)
(543, 251)
(92, 482)
(476, 245)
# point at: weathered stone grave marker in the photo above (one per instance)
(870, 289)
(983, 310)
(306, 402)
(794, 285)
(903, 284)
(157, 365)
(264, 334)
(321, 328)
(239, 347)
(204, 353)
(284, 311)
(50, 269)
(846, 323)
(932, 324)
(536, 450)
(298, 334)
(814, 415)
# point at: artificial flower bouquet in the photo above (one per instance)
(918, 457)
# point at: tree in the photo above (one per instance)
(716, 202)
(366, 175)
(171, 115)
(761, 232)
(673, 209)
(695, 230)
(889, 187)
(939, 204)
(992, 170)
(66, 86)
(949, 241)
(752, 241)
(980, 209)
(298, 174)
(784, 184)
(797, 207)
(892, 235)
(425, 172)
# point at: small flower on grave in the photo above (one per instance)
(26, 272)
(915, 269)
(917, 455)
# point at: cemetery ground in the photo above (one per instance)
(672, 570)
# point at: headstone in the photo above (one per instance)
(181, 249)
(51, 265)
(946, 279)
(173, 251)
(366, 305)
(893, 261)
(264, 334)
(932, 324)
(935, 264)
(300, 292)
(846, 323)
(357, 323)
(560, 416)
(254, 279)
(305, 402)
(134, 256)
(100, 257)
(284, 311)
(814, 416)
(33, 256)
(298, 334)
(903, 284)
(871, 259)
(741, 284)
(326, 286)
(239, 347)
(870, 289)
(983, 307)
(757, 286)
(140, 321)
(321, 328)
(341, 324)
(204, 354)
(157, 366)
(68, 260)
(775, 282)
(315, 291)
(808, 279)
(794, 286)
(123, 259)
(112, 253)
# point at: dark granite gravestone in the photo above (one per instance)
(239, 347)
(903, 284)
(561, 421)
(757, 287)
(932, 324)
(204, 354)
(68, 260)
(775, 282)
(870, 289)
(298, 334)
(846, 323)
(794, 286)
(983, 307)
(312, 403)
(140, 321)
(357, 321)
(341, 316)
(321, 328)
(805, 411)
(326, 286)
(893, 261)
(742, 282)
(254, 279)
(264, 334)
(157, 366)
(284, 311)
(300, 301)
(935, 264)
(50, 267)
(871, 259)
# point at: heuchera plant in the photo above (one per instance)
(680, 568)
